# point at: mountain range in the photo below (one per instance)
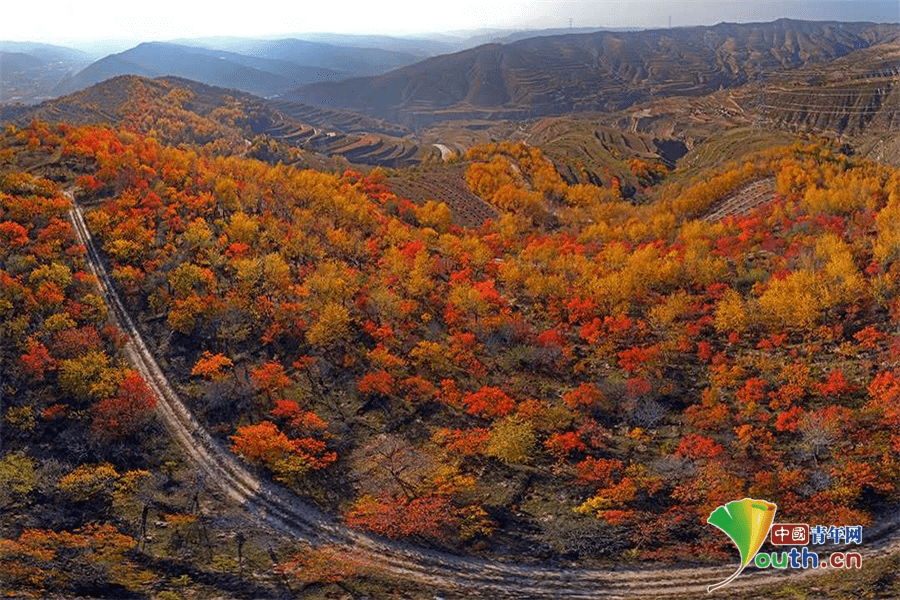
(667, 84)
(593, 71)
(548, 72)
(32, 72)
(261, 76)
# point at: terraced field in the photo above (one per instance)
(447, 185)
(743, 200)
(337, 120)
(730, 145)
(855, 94)
(357, 138)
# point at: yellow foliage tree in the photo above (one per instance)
(511, 441)
(436, 215)
(887, 245)
(331, 327)
(794, 301)
(731, 313)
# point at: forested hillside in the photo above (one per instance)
(582, 377)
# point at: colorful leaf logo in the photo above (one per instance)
(747, 523)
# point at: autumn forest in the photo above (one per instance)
(578, 380)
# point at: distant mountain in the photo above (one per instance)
(46, 52)
(349, 61)
(18, 61)
(214, 67)
(858, 94)
(422, 47)
(29, 71)
(593, 71)
(510, 36)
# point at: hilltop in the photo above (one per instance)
(184, 111)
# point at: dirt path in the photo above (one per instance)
(285, 513)
(445, 151)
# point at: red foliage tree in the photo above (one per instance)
(123, 414)
(380, 382)
(884, 394)
(586, 394)
(418, 390)
(789, 420)
(868, 337)
(70, 343)
(836, 385)
(36, 361)
(270, 378)
(637, 360)
(211, 366)
(697, 446)
(597, 471)
(468, 442)
(265, 444)
(753, 391)
(488, 402)
(561, 445)
(704, 351)
(637, 386)
(12, 235)
(262, 443)
(430, 516)
(299, 421)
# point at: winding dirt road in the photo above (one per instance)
(285, 513)
(445, 151)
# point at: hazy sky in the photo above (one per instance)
(61, 21)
